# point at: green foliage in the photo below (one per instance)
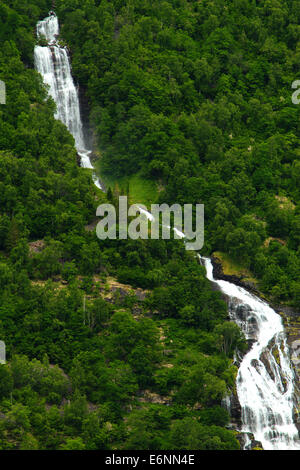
(193, 99)
(230, 338)
(190, 435)
(197, 96)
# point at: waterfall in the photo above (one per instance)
(52, 62)
(265, 380)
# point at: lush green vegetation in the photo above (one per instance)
(191, 103)
(139, 189)
(197, 96)
(88, 367)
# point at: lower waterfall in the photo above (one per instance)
(52, 62)
(265, 380)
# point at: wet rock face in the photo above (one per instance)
(243, 316)
(247, 441)
(292, 328)
(265, 360)
(234, 409)
(256, 445)
(85, 116)
(295, 353)
(296, 410)
(243, 439)
(242, 312)
(291, 321)
(256, 364)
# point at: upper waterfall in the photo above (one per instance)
(48, 28)
(52, 62)
(265, 380)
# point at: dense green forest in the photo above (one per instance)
(197, 97)
(83, 361)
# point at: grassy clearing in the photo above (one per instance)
(233, 268)
(141, 190)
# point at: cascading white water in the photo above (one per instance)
(265, 380)
(52, 62)
(48, 28)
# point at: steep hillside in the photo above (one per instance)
(198, 97)
(91, 364)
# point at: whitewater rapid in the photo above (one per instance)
(53, 63)
(265, 380)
